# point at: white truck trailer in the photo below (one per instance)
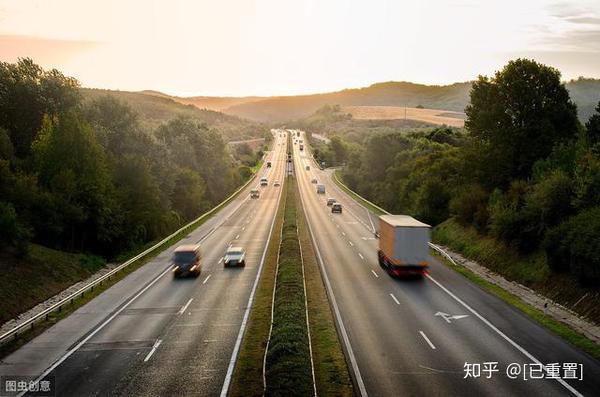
(403, 245)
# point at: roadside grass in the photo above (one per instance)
(42, 273)
(257, 166)
(64, 265)
(562, 330)
(530, 270)
(248, 374)
(288, 369)
(332, 376)
(355, 196)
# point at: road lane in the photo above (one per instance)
(387, 334)
(147, 346)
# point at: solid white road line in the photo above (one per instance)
(156, 344)
(94, 332)
(362, 390)
(395, 299)
(206, 279)
(238, 342)
(493, 327)
(374, 274)
(184, 308)
(427, 340)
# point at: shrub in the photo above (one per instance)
(470, 206)
(575, 245)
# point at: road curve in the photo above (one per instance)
(400, 345)
(151, 334)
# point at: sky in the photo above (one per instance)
(285, 47)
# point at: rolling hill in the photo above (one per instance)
(155, 108)
(584, 92)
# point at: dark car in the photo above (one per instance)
(336, 208)
(186, 261)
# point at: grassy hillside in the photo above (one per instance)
(155, 108)
(24, 282)
(217, 103)
(454, 97)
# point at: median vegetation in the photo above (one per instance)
(290, 263)
(288, 368)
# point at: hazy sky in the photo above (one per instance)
(278, 47)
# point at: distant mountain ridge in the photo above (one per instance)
(584, 92)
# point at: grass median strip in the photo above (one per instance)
(288, 360)
(331, 371)
(248, 374)
(288, 368)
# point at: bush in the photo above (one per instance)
(12, 232)
(470, 207)
(575, 245)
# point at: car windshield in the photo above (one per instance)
(184, 256)
(234, 252)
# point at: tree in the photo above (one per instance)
(517, 117)
(593, 126)
(28, 93)
(71, 165)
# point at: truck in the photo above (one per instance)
(403, 246)
(301, 147)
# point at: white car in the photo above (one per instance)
(264, 181)
(276, 183)
(234, 256)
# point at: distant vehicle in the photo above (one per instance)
(264, 181)
(336, 208)
(321, 189)
(186, 261)
(403, 245)
(276, 183)
(313, 180)
(297, 133)
(268, 164)
(330, 201)
(289, 157)
(234, 256)
(301, 147)
(308, 168)
(254, 193)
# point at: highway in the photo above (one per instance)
(414, 337)
(152, 334)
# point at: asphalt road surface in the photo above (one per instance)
(165, 336)
(414, 337)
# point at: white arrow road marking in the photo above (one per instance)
(156, 344)
(449, 318)
(427, 340)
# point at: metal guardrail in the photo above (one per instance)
(13, 333)
(432, 245)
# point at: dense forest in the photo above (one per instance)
(524, 170)
(92, 176)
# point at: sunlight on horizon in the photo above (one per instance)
(270, 47)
